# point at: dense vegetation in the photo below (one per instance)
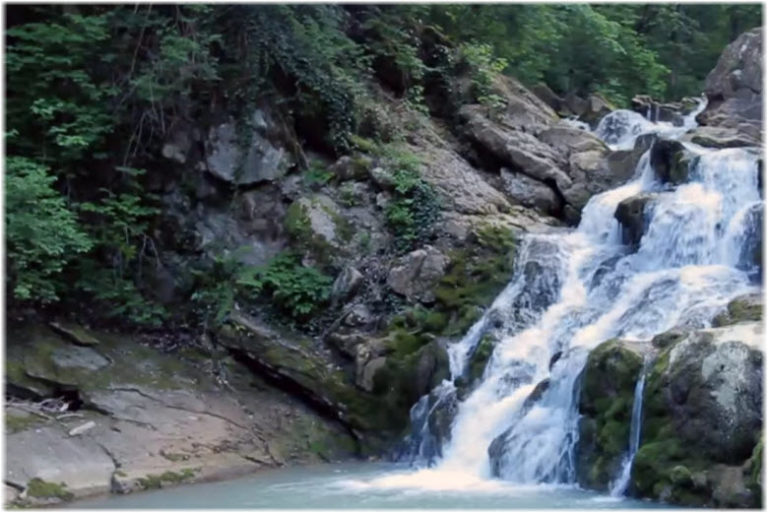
(92, 91)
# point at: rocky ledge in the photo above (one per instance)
(701, 430)
(129, 417)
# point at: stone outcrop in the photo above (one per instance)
(703, 419)
(133, 418)
(573, 164)
(605, 404)
(724, 137)
(417, 273)
(261, 159)
(632, 214)
(670, 161)
(734, 87)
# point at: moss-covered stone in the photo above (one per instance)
(480, 356)
(15, 423)
(742, 309)
(607, 395)
(168, 478)
(688, 450)
(40, 489)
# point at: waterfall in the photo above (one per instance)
(575, 288)
(620, 485)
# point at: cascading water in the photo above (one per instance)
(574, 289)
(619, 486)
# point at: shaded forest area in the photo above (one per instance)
(92, 92)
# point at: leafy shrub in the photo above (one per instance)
(317, 174)
(42, 234)
(483, 67)
(296, 290)
(299, 291)
(412, 212)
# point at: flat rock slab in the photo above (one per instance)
(47, 453)
(83, 357)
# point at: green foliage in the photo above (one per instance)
(297, 291)
(48, 490)
(42, 234)
(317, 174)
(620, 50)
(412, 212)
(306, 43)
(483, 67)
(94, 90)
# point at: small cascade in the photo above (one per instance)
(619, 486)
(575, 288)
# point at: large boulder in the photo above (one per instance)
(724, 136)
(671, 161)
(524, 190)
(262, 158)
(746, 308)
(703, 419)
(632, 214)
(416, 274)
(570, 161)
(605, 404)
(735, 86)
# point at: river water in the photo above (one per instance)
(362, 486)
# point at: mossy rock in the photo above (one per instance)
(606, 400)
(168, 478)
(479, 358)
(746, 308)
(47, 491)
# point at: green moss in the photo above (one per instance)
(740, 310)
(156, 481)
(296, 221)
(365, 144)
(480, 357)
(40, 489)
(607, 396)
(16, 423)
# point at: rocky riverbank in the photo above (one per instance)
(94, 412)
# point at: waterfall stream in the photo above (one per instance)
(575, 288)
(619, 486)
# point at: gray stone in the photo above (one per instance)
(346, 284)
(260, 161)
(722, 137)
(734, 87)
(631, 213)
(74, 333)
(460, 187)
(671, 161)
(596, 108)
(358, 316)
(47, 453)
(415, 275)
(368, 373)
(82, 357)
(526, 191)
(711, 391)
